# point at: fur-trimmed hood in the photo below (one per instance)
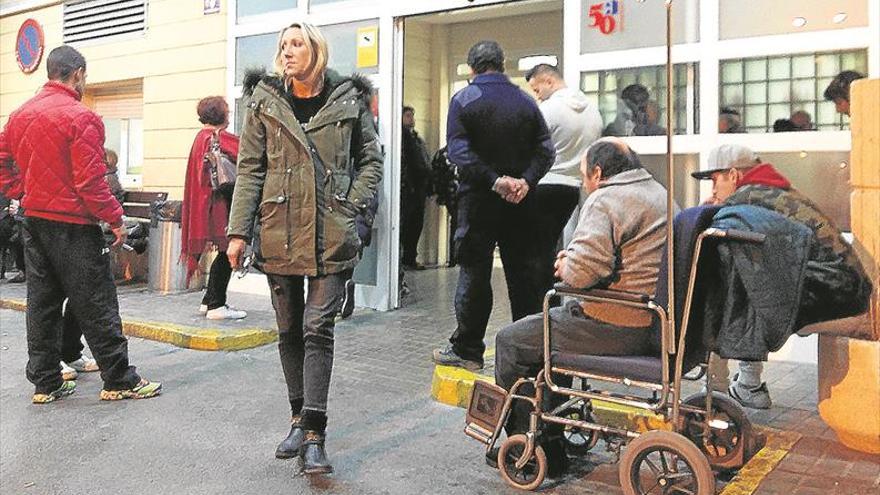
(332, 80)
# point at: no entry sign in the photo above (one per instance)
(29, 46)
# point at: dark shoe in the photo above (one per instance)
(348, 301)
(290, 446)
(492, 458)
(557, 458)
(753, 398)
(313, 454)
(18, 279)
(448, 357)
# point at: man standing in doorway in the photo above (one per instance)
(500, 144)
(414, 173)
(574, 125)
(58, 145)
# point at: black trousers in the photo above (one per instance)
(412, 213)
(487, 221)
(218, 282)
(556, 203)
(71, 337)
(71, 261)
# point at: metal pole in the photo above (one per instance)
(670, 177)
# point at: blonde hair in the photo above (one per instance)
(317, 49)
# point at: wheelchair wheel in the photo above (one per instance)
(579, 441)
(663, 462)
(532, 474)
(721, 447)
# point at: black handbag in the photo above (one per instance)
(220, 166)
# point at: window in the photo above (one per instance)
(254, 52)
(766, 89)
(121, 107)
(788, 16)
(354, 47)
(244, 8)
(97, 19)
(641, 116)
(637, 25)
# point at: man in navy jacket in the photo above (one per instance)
(500, 144)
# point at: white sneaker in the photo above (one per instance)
(67, 373)
(84, 364)
(203, 309)
(225, 313)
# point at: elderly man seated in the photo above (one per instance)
(617, 244)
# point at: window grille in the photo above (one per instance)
(86, 20)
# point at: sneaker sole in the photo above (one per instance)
(751, 405)
(49, 398)
(321, 470)
(111, 395)
(69, 376)
(280, 454)
(468, 365)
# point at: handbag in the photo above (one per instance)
(220, 166)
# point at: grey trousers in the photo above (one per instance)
(305, 333)
(519, 348)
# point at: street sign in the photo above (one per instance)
(29, 46)
(211, 7)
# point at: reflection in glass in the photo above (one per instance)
(245, 8)
(254, 52)
(756, 69)
(803, 66)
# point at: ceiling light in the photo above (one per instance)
(839, 17)
(799, 22)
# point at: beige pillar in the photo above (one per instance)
(849, 369)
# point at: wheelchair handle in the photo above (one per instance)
(737, 235)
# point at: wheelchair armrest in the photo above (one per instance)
(736, 235)
(619, 295)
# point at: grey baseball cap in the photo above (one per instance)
(725, 157)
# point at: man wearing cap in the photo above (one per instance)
(58, 145)
(835, 285)
(501, 146)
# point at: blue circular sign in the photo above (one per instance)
(29, 46)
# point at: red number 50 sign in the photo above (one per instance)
(604, 16)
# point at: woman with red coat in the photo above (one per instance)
(205, 212)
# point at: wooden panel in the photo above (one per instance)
(865, 97)
(136, 211)
(146, 197)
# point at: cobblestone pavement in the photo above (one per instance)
(215, 428)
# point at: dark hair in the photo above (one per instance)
(63, 62)
(729, 111)
(407, 108)
(543, 70)
(213, 110)
(614, 158)
(486, 55)
(839, 86)
(637, 95)
(784, 125)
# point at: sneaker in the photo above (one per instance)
(67, 372)
(83, 364)
(225, 313)
(348, 301)
(203, 309)
(67, 387)
(18, 279)
(143, 390)
(448, 357)
(754, 398)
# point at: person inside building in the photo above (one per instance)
(574, 125)
(838, 90)
(802, 121)
(836, 284)
(415, 173)
(308, 164)
(500, 143)
(57, 143)
(729, 121)
(111, 159)
(624, 200)
(206, 211)
(633, 116)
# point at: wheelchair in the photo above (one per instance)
(699, 434)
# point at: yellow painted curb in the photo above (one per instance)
(203, 339)
(746, 481)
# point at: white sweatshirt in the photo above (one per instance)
(574, 125)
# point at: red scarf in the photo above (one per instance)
(205, 215)
(764, 175)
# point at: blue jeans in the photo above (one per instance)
(305, 334)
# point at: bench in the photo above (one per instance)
(128, 266)
(136, 204)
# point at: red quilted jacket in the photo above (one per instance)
(57, 145)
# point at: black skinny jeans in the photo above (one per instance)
(218, 282)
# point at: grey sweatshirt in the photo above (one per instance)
(618, 242)
(574, 125)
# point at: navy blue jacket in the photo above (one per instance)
(495, 129)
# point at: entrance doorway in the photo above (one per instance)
(434, 68)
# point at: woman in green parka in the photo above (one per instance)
(309, 162)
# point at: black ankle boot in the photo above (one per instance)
(291, 445)
(313, 454)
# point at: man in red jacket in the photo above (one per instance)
(58, 146)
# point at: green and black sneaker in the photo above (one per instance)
(143, 390)
(67, 387)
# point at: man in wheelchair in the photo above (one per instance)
(618, 243)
